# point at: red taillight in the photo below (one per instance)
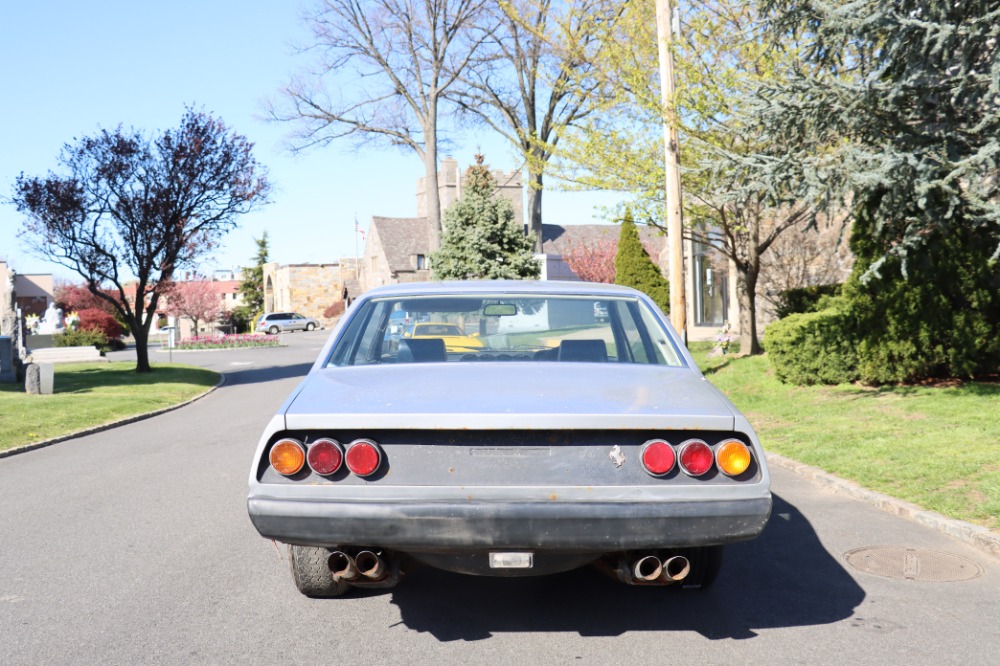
(287, 456)
(658, 457)
(363, 457)
(325, 456)
(696, 457)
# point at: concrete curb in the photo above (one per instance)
(108, 426)
(980, 537)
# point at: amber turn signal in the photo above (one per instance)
(733, 457)
(288, 457)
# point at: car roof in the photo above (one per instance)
(451, 287)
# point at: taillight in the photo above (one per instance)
(658, 457)
(287, 457)
(696, 457)
(733, 457)
(325, 456)
(363, 457)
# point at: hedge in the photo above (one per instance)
(814, 347)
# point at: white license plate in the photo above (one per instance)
(511, 560)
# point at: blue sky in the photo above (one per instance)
(70, 68)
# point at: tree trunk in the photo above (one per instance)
(141, 335)
(746, 284)
(535, 209)
(433, 199)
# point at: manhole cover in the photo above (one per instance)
(913, 564)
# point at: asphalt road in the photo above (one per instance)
(133, 546)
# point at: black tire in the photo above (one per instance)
(273, 330)
(310, 326)
(706, 562)
(311, 572)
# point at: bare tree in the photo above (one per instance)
(531, 79)
(131, 207)
(404, 55)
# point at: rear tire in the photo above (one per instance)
(310, 327)
(273, 330)
(311, 572)
(706, 562)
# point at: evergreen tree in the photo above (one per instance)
(252, 287)
(634, 268)
(909, 91)
(481, 240)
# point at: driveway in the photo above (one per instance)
(133, 546)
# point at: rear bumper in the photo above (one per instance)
(562, 526)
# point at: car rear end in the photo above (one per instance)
(519, 458)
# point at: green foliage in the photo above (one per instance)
(481, 240)
(940, 319)
(84, 337)
(932, 315)
(909, 90)
(814, 347)
(805, 299)
(252, 287)
(242, 318)
(634, 268)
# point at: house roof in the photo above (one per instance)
(557, 239)
(404, 237)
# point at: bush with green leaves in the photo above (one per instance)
(935, 316)
(86, 337)
(814, 347)
(634, 267)
(805, 299)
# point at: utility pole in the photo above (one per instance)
(674, 222)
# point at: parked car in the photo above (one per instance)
(558, 443)
(454, 337)
(285, 321)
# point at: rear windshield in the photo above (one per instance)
(439, 329)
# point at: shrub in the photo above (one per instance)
(238, 341)
(85, 337)
(334, 310)
(814, 347)
(805, 299)
(937, 316)
(634, 268)
(94, 319)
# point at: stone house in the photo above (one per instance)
(308, 289)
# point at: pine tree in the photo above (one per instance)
(252, 287)
(481, 240)
(634, 267)
(908, 94)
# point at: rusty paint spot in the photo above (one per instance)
(469, 497)
(451, 470)
(553, 497)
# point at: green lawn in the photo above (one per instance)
(936, 447)
(88, 395)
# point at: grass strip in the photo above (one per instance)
(88, 395)
(937, 447)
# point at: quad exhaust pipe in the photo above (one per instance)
(343, 566)
(370, 564)
(647, 569)
(365, 567)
